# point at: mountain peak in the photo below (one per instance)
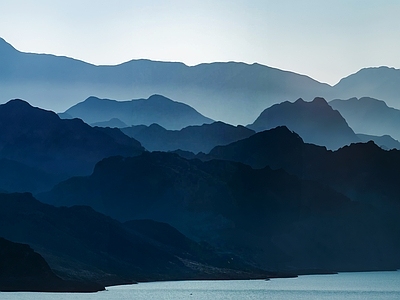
(320, 101)
(315, 121)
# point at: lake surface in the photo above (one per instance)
(369, 285)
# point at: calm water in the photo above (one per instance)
(373, 285)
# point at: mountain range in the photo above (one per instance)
(154, 189)
(316, 122)
(258, 215)
(377, 82)
(232, 92)
(156, 109)
(192, 138)
(37, 148)
(369, 116)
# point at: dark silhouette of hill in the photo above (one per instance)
(22, 269)
(41, 140)
(376, 82)
(192, 138)
(82, 245)
(385, 142)
(316, 122)
(363, 172)
(231, 92)
(266, 217)
(156, 109)
(369, 116)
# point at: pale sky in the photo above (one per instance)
(326, 40)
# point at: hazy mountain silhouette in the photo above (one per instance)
(378, 82)
(385, 142)
(40, 139)
(268, 218)
(192, 138)
(316, 122)
(83, 245)
(369, 116)
(112, 123)
(231, 92)
(156, 109)
(22, 269)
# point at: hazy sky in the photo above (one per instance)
(326, 40)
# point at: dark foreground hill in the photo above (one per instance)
(156, 109)
(363, 172)
(192, 138)
(44, 149)
(22, 269)
(82, 245)
(268, 218)
(316, 122)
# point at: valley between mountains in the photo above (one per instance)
(218, 171)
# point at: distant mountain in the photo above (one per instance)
(369, 116)
(192, 138)
(379, 82)
(40, 139)
(268, 218)
(82, 245)
(112, 123)
(385, 142)
(316, 122)
(156, 109)
(22, 269)
(231, 92)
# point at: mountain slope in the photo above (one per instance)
(385, 141)
(192, 138)
(268, 218)
(22, 269)
(155, 109)
(316, 122)
(363, 172)
(82, 245)
(369, 116)
(231, 92)
(378, 82)
(40, 139)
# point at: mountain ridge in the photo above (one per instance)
(156, 109)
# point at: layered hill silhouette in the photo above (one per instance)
(385, 141)
(376, 82)
(231, 92)
(369, 116)
(192, 138)
(316, 122)
(156, 109)
(22, 269)
(82, 245)
(268, 218)
(364, 172)
(40, 143)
